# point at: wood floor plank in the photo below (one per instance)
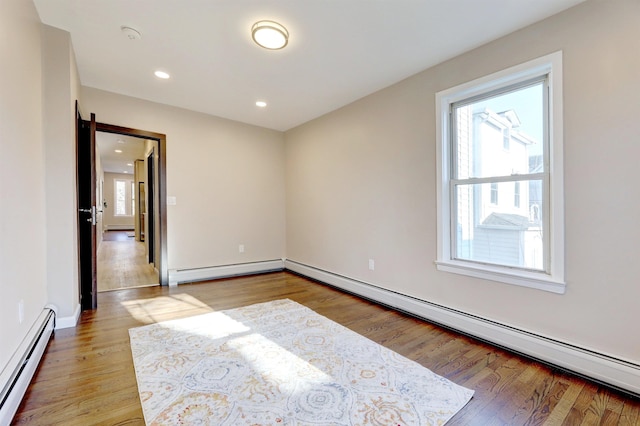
(86, 376)
(612, 412)
(549, 398)
(512, 404)
(596, 409)
(562, 408)
(630, 415)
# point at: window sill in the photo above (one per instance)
(539, 281)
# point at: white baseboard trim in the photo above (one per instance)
(118, 227)
(607, 369)
(68, 322)
(178, 276)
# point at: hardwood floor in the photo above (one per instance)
(86, 376)
(122, 263)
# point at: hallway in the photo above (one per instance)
(122, 263)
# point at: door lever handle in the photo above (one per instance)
(93, 212)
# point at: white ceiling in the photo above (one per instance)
(339, 50)
(118, 162)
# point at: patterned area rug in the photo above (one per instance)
(280, 363)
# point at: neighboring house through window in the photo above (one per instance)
(500, 176)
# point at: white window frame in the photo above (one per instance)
(553, 278)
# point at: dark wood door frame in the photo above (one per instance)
(160, 189)
(151, 210)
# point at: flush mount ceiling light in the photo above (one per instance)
(261, 104)
(118, 151)
(270, 35)
(161, 74)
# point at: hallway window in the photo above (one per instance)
(124, 200)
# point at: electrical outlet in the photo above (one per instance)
(372, 264)
(241, 248)
(21, 311)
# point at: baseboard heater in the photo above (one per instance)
(178, 276)
(17, 374)
(617, 373)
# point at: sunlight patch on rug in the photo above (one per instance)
(280, 363)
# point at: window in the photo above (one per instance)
(506, 138)
(133, 198)
(124, 198)
(494, 193)
(500, 139)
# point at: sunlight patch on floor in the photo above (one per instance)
(162, 308)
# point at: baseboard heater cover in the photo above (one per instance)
(17, 374)
(119, 227)
(177, 276)
(617, 373)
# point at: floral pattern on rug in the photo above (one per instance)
(280, 363)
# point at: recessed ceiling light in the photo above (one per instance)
(270, 35)
(119, 151)
(261, 104)
(125, 171)
(120, 141)
(129, 164)
(161, 74)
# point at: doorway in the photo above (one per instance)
(159, 161)
(86, 168)
(125, 258)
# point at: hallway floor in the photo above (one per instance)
(122, 263)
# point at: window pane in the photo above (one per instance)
(494, 193)
(500, 233)
(121, 196)
(501, 135)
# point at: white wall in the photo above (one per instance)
(61, 90)
(361, 184)
(22, 174)
(227, 177)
